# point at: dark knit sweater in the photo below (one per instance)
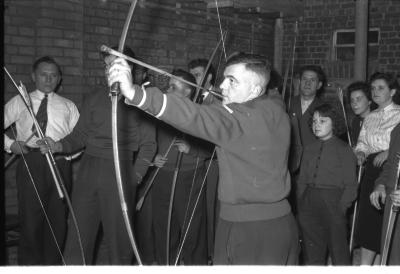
(252, 142)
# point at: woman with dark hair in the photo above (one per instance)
(361, 105)
(326, 189)
(372, 151)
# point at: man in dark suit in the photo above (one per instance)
(312, 82)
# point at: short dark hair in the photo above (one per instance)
(48, 60)
(390, 80)
(387, 77)
(143, 70)
(328, 110)
(253, 62)
(320, 74)
(188, 77)
(203, 63)
(275, 81)
(359, 85)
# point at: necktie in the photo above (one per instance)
(41, 116)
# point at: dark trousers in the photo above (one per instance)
(212, 208)
(194, 251)
(37, 246)
(266, 242)
(144, 226)
(323, 226)
(96, 201)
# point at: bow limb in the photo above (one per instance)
(171, 200)
(220, 28)
(180, 247)
(114, 92)
(151, 181)
(353, 222)
(290, 66)
(210, 60)
(340, 96)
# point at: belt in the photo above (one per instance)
(33, 149)
(36, 149)
(323, 186)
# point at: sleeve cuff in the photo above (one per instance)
(139, 97)
(150, 101)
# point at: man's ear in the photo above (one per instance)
(33, 77)
(392, 92)
(257, 91)
(319, 85)
(190, 92)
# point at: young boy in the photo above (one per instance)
(327, 186)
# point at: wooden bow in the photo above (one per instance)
(290, 66)
(114, 93)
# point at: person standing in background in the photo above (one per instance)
(95, 196)
(372, 151)
(57, 117)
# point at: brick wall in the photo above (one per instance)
(73, 30)
(323, 17)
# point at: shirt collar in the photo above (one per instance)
(391, 106)
(41, 94)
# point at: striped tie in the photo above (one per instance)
(41, 116)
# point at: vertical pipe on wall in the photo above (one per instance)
(278, 44)
(361, 40)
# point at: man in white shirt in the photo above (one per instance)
(57, 118)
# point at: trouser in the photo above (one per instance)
(194, 250)
(144, 226)
(323, 226)
(95, 200)
(37, 245)
(265, 242)
(211, 197)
